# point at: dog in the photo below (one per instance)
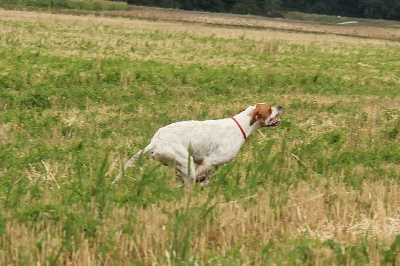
(206, 143)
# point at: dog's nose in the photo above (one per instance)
(280, 109)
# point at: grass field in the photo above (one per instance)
(80, 94)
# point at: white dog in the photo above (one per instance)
(206, 143)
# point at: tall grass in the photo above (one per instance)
(79, 95)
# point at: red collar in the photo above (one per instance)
(240, 127)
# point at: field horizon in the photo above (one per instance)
(80, 94)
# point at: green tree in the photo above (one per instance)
(273, 7)
(374, 9)
(246, 7)
(210, 5)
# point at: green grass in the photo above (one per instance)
(79, 96)
(67, 4)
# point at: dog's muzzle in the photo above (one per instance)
(275, 122)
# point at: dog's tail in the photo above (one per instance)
(128, 163)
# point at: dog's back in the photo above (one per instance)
(201, 139)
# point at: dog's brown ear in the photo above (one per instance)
(262, 111)
(254, 114)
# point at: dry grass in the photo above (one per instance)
(338, 214)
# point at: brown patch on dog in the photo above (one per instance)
(262, 111)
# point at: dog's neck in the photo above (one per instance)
(243, 119)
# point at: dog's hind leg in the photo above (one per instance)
(180, 157)
(186, 171)
(185, 167)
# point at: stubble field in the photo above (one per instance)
(80, 94)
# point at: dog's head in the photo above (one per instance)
(266, 115)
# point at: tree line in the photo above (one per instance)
(376, 9)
